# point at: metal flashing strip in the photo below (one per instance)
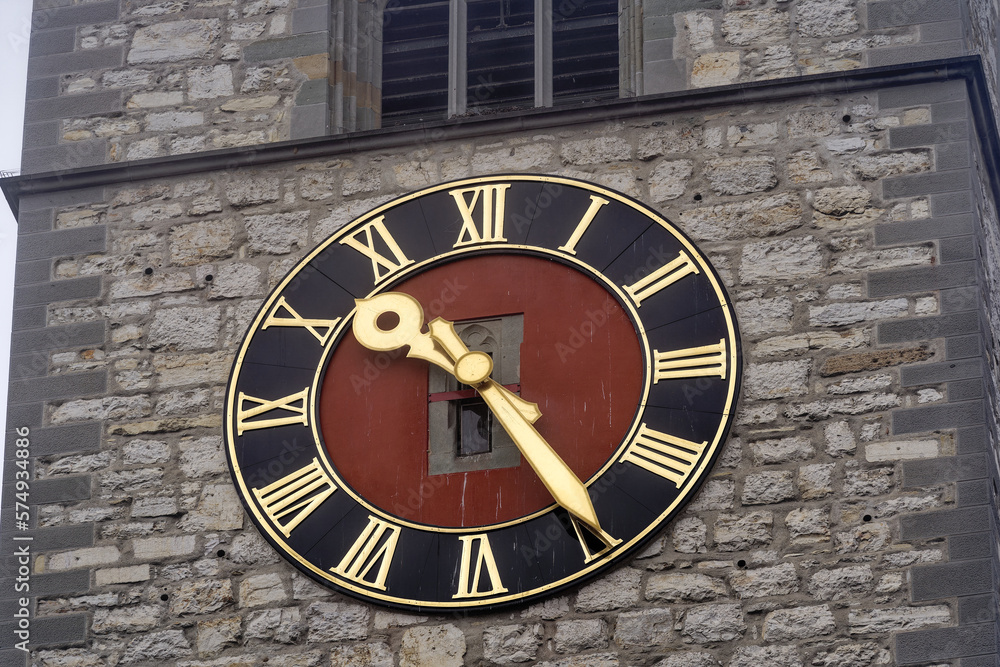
(969, 68)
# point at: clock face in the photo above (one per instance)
(482, 393)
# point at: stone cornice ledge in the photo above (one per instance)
(969, 68)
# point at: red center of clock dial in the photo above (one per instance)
(580, 361)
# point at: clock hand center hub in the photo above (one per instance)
(473, 368)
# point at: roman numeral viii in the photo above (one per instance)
(476, 552)
(663, 277)
(292, 498)
(704, 361)
(662, 454)
(364, 241)
(375, 546)
(290, 412)
(489, 227)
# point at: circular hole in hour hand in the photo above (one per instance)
(387, 321)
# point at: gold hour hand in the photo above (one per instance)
(443, 347)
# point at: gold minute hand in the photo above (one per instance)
(443, 347)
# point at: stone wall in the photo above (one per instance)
(123, 80)
(846, 523)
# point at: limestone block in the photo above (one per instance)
(185, 328)
(580, 635)
(596, 151)
(901, 450)
(759, 316)
(847, 655)
(511, 644)
(87, 557)
(867, 361)
(758, 582)
(689, 535)
(858, 385)
(178, 370)
(688, 659)
(807, 167)
(173, 120)
(867, 538)
(772, 656)
(842, 583)
(709, 623)
(261, 589)
(159, 548)
(816, 480)
(839, 314)
(668, 180)
(770, 486)
(781, 450)
(154, 506)
(825, 18)
(808, 525)
(884, 621)
(75, 465)
(336, 621)
(762, 216)
(799, 623)
(249, 548)
(259, 7)
(158, 283)
(202, 457)
(122, 575)
(253, 191)
(715, 69)
(842, 201)
(741, 175)
(678, 586)
(318, 186)
(739, 533)
(784, 259)
(778, 379)
(643, 630)
(277, 233)
(183, 402)
(141, 451)
(157, 647)
(754, 134)
(308, 659)
(813, 123)
(133, 618)
(155, 99)
(618, 590)
(215, 635)
(907, 558)
(210, 82)
(238, 279)
(868, 481)
(280, 625)
(375, 654)
(364, 180)
(667, 140)
(174, 41)
(699, 30)
(201, 596)
(518, 158)
(218, 509)
(434, 646)
(715, 494)
(589, 660)
(755, 26)
(887, 258)
(130, 481)
(881, 165)
(199, 242)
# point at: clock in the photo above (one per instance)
(482, 393)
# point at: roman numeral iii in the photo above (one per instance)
(294, 497)
(663, 277)
(375, 546)
(476, 552)
(489, 227)
(364, 241)
(704, 361)
(663, 454)
(290, 412)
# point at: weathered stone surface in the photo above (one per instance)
(842, 201)
(374, 654)
(772, 656)
(111, 407)
(689, 535)
(709, 623)
(154, 506)
(442, 645)
(580, 635)
(875, 167)
(620, 589)
(201, 597)
(185, 328)
(218, 509)
(901, 450)
(336, 621)
(848, 655)
(867, 538)
(761, 316)
(253, 190)
(813, 123)
(816, 480)
(678, 586)
(762, 216)
(755, 26)
(589, 660)
(173, 41)
(215, 635)
(596, 151)
(643, 629)
(363, 180)
(135, 618)
(882, 621)
(210, 82)
(715, 494)
(526, 157)
(885, 258)
(277, 233)
(158, 647)
(122, 575)
(249, 548)
(868, 481)
(874, 360)
(798, 623)
(784, 259)
(776, 580)
(156, 548)
(752, 134)
(825, 18)
(202, 457)
(261, 589)
(777, 379)
(839, 314)
(688, 659)
(782, 450)
(512, 644)
(669, 179)
(715, 69)
(770, 486)
(741, 175)
(87, 557)
(842, 583)
(280, 625)
(807, 167)
(808, 525)
(667, 140)
(739, 533)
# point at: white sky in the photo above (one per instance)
(15, 16)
